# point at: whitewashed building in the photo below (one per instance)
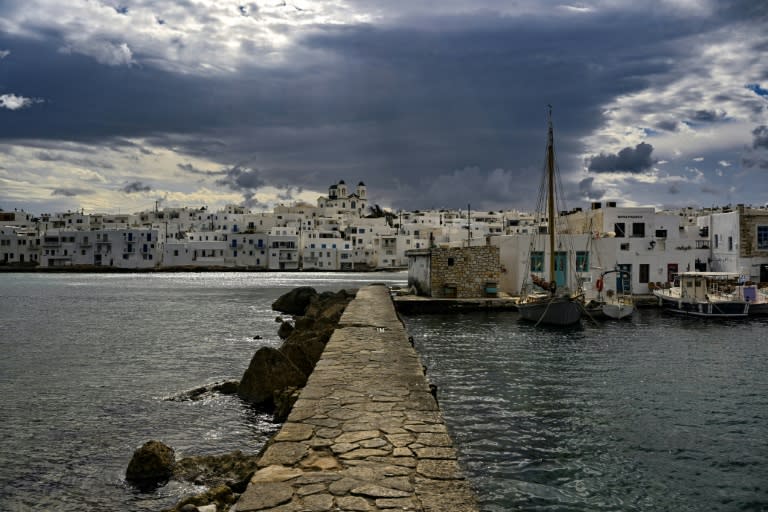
(283, 249)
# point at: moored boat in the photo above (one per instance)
(618, 304)
(550, 302)
(705, 294)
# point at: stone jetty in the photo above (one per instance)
(366, 433)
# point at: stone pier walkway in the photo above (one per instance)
(365, 433)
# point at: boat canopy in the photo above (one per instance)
(711, 275)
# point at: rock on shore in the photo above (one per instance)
(271, 371)
(151, 465)
(273, 380)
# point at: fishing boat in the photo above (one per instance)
(547, 301)
(705, 294)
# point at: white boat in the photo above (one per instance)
(618, 309)
(619, 304)
(705, 294)
(549, 303)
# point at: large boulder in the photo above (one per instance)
(269, 371)
(285, 330)
(303, 351)
(284, 402)
(329, 305)
(233, 469)
(151, 465)
(295, 302)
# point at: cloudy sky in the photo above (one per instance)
(112, 105)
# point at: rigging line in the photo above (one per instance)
(584, 310)
(545, 311)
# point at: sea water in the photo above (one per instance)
(655, 413)
(88, 363)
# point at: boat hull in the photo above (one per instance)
(720, 309)
(551, 311)
(617, 311)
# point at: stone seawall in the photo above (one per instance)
(366, 434)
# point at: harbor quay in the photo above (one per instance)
(366, 433)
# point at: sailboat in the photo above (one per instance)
(551, 304)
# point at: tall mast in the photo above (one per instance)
(551, 196)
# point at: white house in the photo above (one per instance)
(283, 244)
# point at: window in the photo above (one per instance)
(638, 229)
(717, 241)
(645, 273)
(451, 261)
(624, 247)
(619, 228)
(661, 233)
(582, 261)
(762, 238)
(537, 261)
(730, 243)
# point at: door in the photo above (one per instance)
(671, 272)
(561, 268)
(623, 278)
(763, 273)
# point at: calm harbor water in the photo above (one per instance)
(89, 361)
(660, 413)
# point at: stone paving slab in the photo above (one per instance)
(366, 433)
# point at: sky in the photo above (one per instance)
(125, 105)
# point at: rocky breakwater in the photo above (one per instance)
(271, 382)
(275, 375)
(366, 433)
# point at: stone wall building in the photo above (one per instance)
(454, 272)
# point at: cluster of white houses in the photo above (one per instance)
(341, 232)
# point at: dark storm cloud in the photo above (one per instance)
(400, 108)
(587, 190)
(627, 160)
(242, 178)
(708, 116)
(71, 192)
(668, 125)
(136, 186)
(757, 156)
(194, 170)
(760, 137)
(290, 194)
(48, 156)
(754, 162)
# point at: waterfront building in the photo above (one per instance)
(454, 272)
(19, 245)
(17, 218)
(653, 247)
(283, 244)
(119, 248)
(325, 249)
(740, 242)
